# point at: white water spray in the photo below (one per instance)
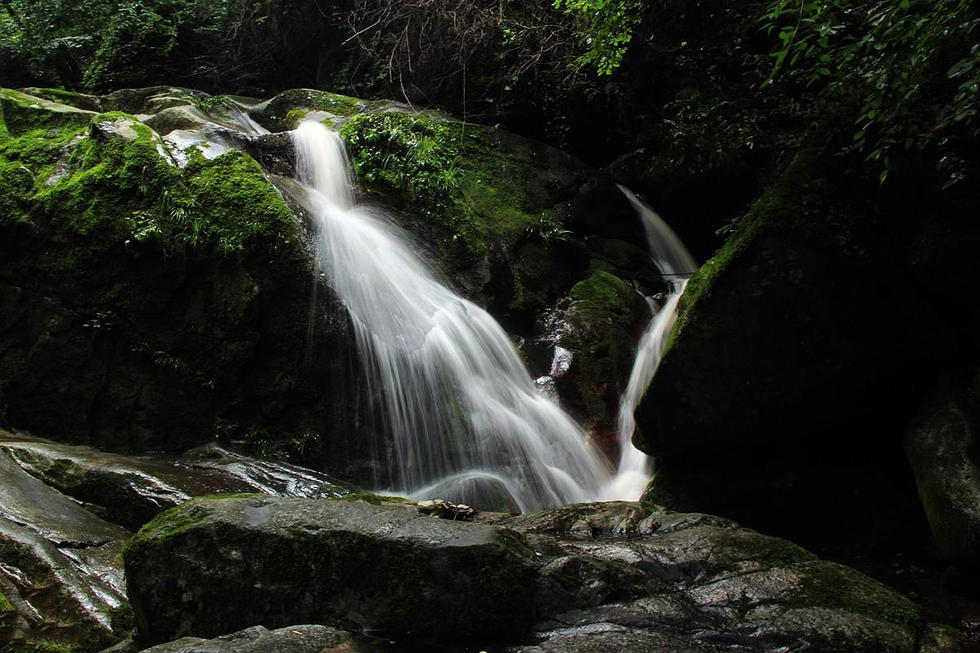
(466, 421)
(676, 264)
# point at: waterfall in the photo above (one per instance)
(676, 265)
(466, 421)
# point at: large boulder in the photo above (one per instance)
(131, 490)
(66, 512)
(789, 377)
(149, 306)
(350, 564)
(942, 448)
(580, 578)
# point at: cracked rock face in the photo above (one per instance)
(596, 577)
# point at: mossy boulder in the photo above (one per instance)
(786, 368)
(24, 113)
(583, 577)
(82, 101)
(286, 110)
(942, 448)
(605, 320)
(150, 306)
(385, 567)
(257, 639)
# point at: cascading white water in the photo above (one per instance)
(675, 264)
(466, 420)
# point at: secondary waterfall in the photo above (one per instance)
(676, 265)
(466, 420)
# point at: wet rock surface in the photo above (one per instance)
(598, 577)
(294, 639)
(60, 565)
(66, 512)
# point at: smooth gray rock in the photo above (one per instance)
(211, 566)
(131, 490)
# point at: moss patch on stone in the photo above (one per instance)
(24, 113)
(375, 499)
(118, 188)
(831, 585)
(78, 100)
(606, 316)
(44, 646)
(471, 192)
(165, 525)
(287, 109)
(229, 203)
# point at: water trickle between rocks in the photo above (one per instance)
(676, 265)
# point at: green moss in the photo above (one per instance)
(44, 646)
(295, 116)
(5, 605)
(603, 294)
(122, 619)
(374, 499)
(830, 585)
(229, 202)
(112, 180)
(77, 100)
(119, 189)
(286, 109)
(164, 526)
(606, 315)
(452, 175)
(40, 147)
(783, 206)
(24, 113)
(16, 182)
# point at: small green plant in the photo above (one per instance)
(212, 103)
(549, 229)
(165, 360)
(102, 321)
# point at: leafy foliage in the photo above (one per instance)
(605, 27)
(103, 44)
(912, 66)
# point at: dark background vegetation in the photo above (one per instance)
(721, 91)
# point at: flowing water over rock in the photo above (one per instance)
(676, 265)
(466, 420)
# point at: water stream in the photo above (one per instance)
(676, 265)
(465, 419)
